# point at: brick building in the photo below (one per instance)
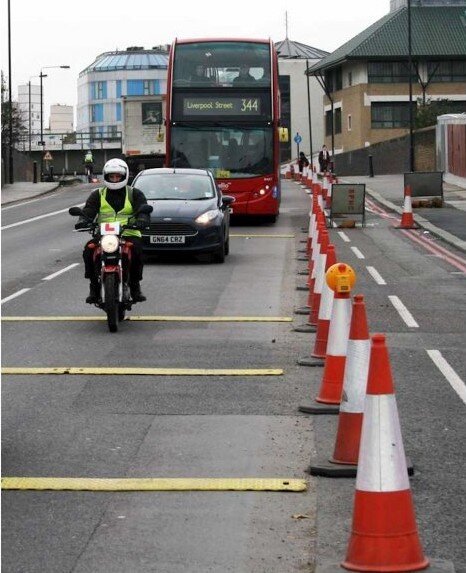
(366, 81)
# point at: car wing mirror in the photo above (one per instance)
(228, 199)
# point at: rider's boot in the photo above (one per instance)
(94, 293)
(136, 294)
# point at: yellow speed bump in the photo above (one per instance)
(91, 370)
(262, 236)
(150, 318)
(153, 484)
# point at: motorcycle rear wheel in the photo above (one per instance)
(111, 301)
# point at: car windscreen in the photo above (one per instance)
(166, 186)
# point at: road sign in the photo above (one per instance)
(48, 156)
(297, 138)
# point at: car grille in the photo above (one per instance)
(172, 229)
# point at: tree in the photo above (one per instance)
(19, 127)
(427, 113)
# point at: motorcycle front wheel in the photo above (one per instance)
(111, 301)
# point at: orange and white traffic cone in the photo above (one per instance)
(312, 267)
(340, 277)
(314, 300)
(345, 455)
(384, 532)
(325, 310)
(315, 287)
(319, 353)
(407, 218)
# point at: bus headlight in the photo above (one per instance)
(207, 217)
(109, 243)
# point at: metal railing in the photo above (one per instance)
(70, 141)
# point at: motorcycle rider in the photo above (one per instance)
(89, 165)
(116, 201)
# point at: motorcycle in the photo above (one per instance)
(115, 255)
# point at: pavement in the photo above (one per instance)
(447, 223)
(23, 190)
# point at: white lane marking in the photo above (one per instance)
(53, 275)
(41, 198)
(344, 236)
(403, 311)
(358, 253)
(454, 380)
(37, 218)
(376, 276)
(12, 296)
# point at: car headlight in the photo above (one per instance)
(207, 217)
(109, 243)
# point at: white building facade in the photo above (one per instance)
(134, 72)
(61, 118)
(29, 106)
(300, 114)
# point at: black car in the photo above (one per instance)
(190, 213)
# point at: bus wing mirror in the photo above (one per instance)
(283, 134)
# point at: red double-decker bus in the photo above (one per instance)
(223, 114)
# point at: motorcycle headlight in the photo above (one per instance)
(207, 217)
(109, 243)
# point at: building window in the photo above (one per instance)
(333, 79)
(350, 79)
(135, 87)
(338, 120)
(96, 132)
(118, 112)
(328, 122)
(285, 121)
(451, 71)
(389, 73)
(143, 87)
(350, 122)
(98, 90)
(389, 115)
(96, 112)
(118, 88)
(112, 131)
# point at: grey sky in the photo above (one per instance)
(61, 32)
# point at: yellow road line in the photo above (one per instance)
(150, 318)
(264, 236)
(153, 484)
(145, 371)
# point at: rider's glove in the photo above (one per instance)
(81, 225)
(141, 224)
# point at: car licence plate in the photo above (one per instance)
(167, 239)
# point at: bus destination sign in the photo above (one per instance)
(234, 106)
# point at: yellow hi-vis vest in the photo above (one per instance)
(108, 215)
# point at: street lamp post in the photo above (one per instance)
(309, 110)
(30, 114)
(42, 142)
(10, 104)
(410, 66)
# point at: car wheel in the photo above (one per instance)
(218, 256)
(227, 245)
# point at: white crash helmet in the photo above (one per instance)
(116, 166)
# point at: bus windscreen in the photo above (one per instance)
(225, 64)
(231, 153)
